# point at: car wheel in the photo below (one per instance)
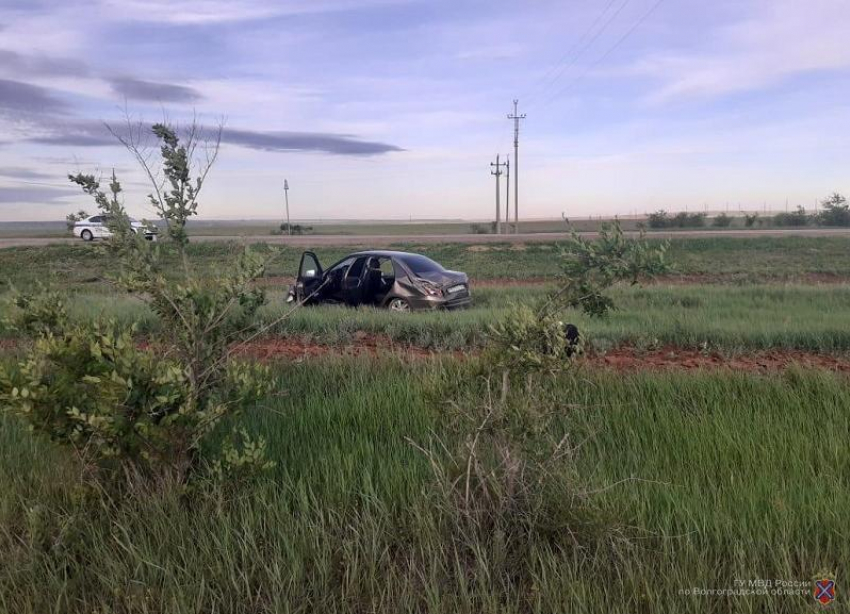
(398, 304)
(86, 235)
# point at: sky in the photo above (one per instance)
(394, 109)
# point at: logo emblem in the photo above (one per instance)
(824, 591)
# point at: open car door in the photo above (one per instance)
(310, 278)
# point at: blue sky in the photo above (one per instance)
(394, 108)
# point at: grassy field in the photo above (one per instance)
(707, 317)
(729, 260)
(687, 481)
(666, 485)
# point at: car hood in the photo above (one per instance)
(444, 278)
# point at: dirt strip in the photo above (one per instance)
(624, 359)
(619, 359)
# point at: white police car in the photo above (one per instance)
(97, 227)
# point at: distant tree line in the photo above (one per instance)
(297, 229)
(834, 212)
(662, 219)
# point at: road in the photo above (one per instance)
(385, 240)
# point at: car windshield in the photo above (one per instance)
(420, 264)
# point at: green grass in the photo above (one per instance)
(726, 318)
(700, 480)
(83, 267)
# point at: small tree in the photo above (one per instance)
(72, 218)
(835, 211)
(750, 219)
(91, 387)
(534, 338)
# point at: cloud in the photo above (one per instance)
(33, 195)
(306, 141)
(89, 133)
(77, 133)
(41, 65)
(218, 11)
(136, 89)
(18, 97)
(778, 40)
(16, 172)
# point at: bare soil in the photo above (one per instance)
(619, 359)
(624, 359)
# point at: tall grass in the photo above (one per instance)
(700, 480)
(725, 318)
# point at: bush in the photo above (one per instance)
(835, 211)
(689, 220)
(73, 218)
(796, 218)
(297, 229)
(117, 405)
(535, 339)
(751, 219)
(722, 221)
(526, 341)
(659, 219)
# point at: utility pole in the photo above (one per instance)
(497, 173)
(507, 195)
(286, 195)
(516, 117)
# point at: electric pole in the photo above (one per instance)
(516, 117)
(507, 195)
(286, 195)
(497, 173)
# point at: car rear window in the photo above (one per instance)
(420, 264)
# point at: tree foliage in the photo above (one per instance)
(794, 219)
(535, 339)
(834, 211)
(72, 218)
(94, 388)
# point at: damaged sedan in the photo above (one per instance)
(399, 281)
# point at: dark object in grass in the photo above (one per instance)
(399, 281)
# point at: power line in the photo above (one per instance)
(41, 183)
(610, 50)
(530, 93)
(558, 72)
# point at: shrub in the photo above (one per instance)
(688, 220)
(750, 219)
(722, 221)
(527, 341)
(659, 219)
(835, 211)
(796, 218)
(73, 218)
(535, 339)
(297, 229)
(92, 389)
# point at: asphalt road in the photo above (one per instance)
(384, 240)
